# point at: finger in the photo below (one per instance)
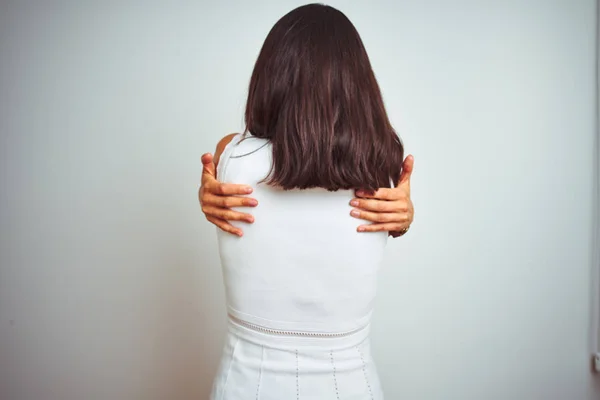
(225, 226)
(227, 189)
(407, 169)
(379, 205)
(381, 194)
(208, 166)
(229, 201)
(379, 217)
(226, 214)
(386, 227)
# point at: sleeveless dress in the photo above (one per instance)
(300, 287)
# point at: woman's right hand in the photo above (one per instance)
(217, 199)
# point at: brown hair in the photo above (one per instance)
(314, 95)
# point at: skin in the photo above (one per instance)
(389, 209)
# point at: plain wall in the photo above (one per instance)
(110, 283)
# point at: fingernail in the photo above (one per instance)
(250, 219)
(355, 213)
(252, 202)
(240, 234)
(360, 193)
(248, 190)
(361, 229)
(354, 203)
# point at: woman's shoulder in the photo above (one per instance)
(222, 145)
(242, 145)
(224, 142)
(246, 144)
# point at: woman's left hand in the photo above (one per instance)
(389, 209)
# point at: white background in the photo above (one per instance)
(110, 286)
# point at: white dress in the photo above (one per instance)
(300, 287)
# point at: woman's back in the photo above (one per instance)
(301, 282)
(300, 286)
(302, 266)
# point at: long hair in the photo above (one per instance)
(314, 95)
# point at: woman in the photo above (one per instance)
(300, 303)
